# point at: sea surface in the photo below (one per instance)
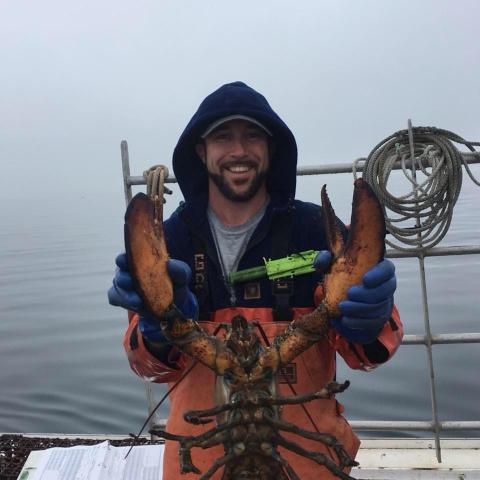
(62, 364)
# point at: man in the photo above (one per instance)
(236, 166)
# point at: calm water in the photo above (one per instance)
(63, 367)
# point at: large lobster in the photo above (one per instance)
(247, 410)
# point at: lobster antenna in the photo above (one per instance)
(157, 406)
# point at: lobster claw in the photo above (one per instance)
(147, 253)
(363, 250)
(365, 246)
(147, 258)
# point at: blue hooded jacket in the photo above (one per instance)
(187, 231)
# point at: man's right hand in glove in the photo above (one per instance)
(123, 294)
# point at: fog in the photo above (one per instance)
(79, 77)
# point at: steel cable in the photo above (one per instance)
(421, 217)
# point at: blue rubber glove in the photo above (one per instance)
(123, 294)
(369, 305)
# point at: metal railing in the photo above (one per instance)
(427, 339)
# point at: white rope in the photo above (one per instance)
(432, 166)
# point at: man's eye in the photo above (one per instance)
(254, 135)
(221, 137)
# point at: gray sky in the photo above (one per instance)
(80, 76)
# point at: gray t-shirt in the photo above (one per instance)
(231, 242)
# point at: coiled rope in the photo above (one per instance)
(433, 167)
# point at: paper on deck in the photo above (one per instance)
(100, 462)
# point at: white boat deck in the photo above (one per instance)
(384, 459)
(415, 459)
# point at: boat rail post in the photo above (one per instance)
(426, 314)
(127, 186)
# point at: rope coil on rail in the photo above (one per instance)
(425, 152)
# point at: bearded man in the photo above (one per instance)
(236, 163)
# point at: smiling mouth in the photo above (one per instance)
(236, 167)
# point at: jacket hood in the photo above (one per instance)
(235, 99)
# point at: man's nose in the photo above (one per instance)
(238, 148)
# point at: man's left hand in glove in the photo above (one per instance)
(369, 305)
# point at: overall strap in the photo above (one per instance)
(199, 268)
(282, 288)
(200, 278)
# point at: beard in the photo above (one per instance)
(231, 194)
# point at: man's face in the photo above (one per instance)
(237, 159)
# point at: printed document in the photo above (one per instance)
(100, 462)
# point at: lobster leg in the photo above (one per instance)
(217, 464)
(195, 416)
(215, 436)
(184, 451)
(330, 389)
(317, 457)
(292, 475)
(299, 336)
(194, 440)
(192, 339)
(325, 438)
(186, 463)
